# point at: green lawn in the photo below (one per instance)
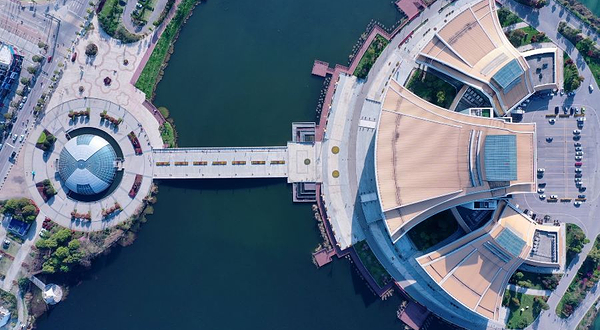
(518, 318)
(575, 241)
(370, 56)
(431, 88)
(433, 230)
(368, 259)
(507, 17)
(523, 36)
(149, 76)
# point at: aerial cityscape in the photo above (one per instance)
(419, 164)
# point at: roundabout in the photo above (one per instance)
(94, 160)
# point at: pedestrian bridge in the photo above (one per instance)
(298, 162)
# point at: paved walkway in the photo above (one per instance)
(529, 291)
(515, 26)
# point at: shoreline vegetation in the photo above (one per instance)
(64, 256)
(158, 61)
(168, 133)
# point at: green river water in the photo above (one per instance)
(235, 254)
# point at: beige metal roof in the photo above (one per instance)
(429, 159)
(472, 47)
(475, 269)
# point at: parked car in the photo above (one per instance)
(13, 155)
(576, 132)
(578, 170)
(579, 153)
(577, 203)
(591, 88)
(14, 139)
(578, 158)
(553, 196)
(74, 57)
(549, 139)
(542, 196)
(580, 196)
(540, 190)
(578, 144)
(556, 109)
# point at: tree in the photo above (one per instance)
(441, 97)
(25, 81)
(42, 45)
(37, 58)
(32, 69)
(23, 284)
(91, 49)
(74, 245)
(62, 235)
(61, 253)
(516, 37)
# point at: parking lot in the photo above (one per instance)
(556, 152)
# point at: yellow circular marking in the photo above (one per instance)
(335, 149)
(335, 174)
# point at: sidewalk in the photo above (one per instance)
(529, 291)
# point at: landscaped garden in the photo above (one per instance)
(153, 70)
(167, 133)
(586, 278)
(110, 21)
(45, 141)
(575, 241)
(507, 17)
(368, 259)
(534, 280)
(370, 56)
(45, 189)
(432, 88)
(433, 230)
(586, 47)
(572, 79)
(523, 308)
(525, 36)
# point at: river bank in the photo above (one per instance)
(227, 243)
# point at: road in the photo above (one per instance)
(63, 22)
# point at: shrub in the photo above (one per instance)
(91, 49)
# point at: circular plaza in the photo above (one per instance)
(88, 164)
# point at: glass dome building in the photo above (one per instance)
(86, 164)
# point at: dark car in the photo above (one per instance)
(74, 57)
(556, 109)
(13, 155)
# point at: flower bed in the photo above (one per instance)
(81, 216)
(136, 185)
(75, 114)
(112, 210)
(45, 189)
(45, 141)
(115, 121)
(135, 142)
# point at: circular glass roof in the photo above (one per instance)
(86, 164)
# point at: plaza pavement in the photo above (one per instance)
(109, 62)
(57, 122)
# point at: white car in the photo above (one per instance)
(21, 138)
(540, 190)
(542, 196)
(576, 132)
(578, 158)
(541, 170)
(579, 153)
(14, 137)
(553, 196)
(591, 88)
(577, 203)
